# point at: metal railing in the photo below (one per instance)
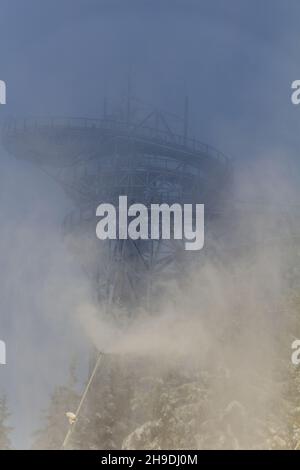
(118, 127)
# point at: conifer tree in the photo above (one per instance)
(63, 399)
(5, 430)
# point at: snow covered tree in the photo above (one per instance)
(63, 399)
(103, 420)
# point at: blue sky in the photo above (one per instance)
(235, 59)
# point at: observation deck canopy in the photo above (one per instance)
(60, 142)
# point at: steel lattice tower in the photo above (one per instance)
(96, 160)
